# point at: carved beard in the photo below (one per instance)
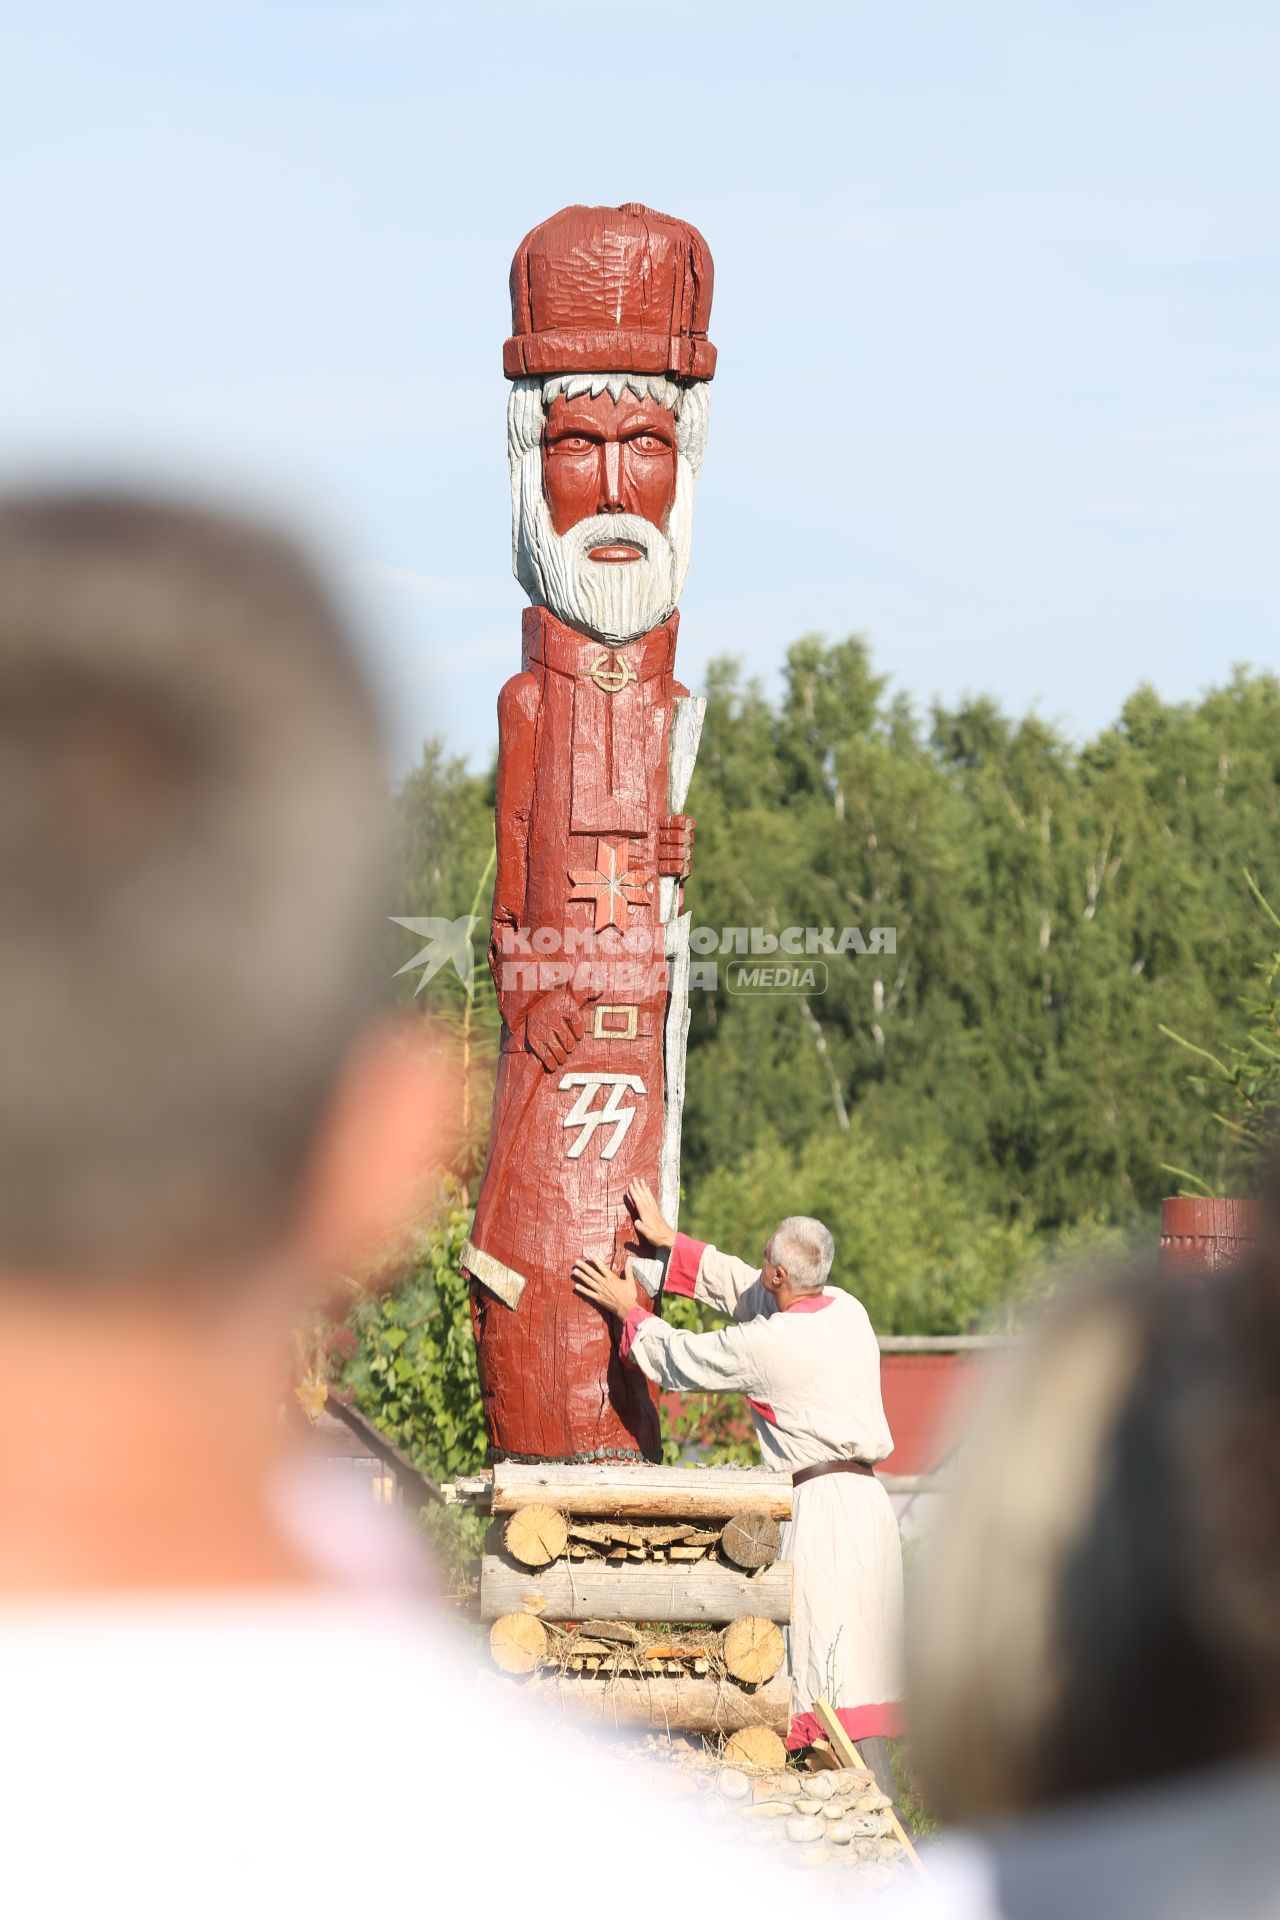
(615, 602)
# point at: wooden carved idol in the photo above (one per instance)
(607, 421)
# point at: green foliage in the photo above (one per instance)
(1000, 1085)
(914, 1240)
(413, 1370)
(1054, 908)
(443, 837)
(444, 858)
(717, 1426)
(1247, 1079)
(922, 1823)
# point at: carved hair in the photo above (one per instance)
(529, 400)
(806, 1249)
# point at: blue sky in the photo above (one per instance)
(997, 304)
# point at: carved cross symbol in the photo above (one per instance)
(610, 672)
(583, 1114)
(611, 886)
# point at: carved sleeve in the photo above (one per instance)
(517, 752)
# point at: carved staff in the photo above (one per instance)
(609, 362)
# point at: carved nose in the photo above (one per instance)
(612, 477)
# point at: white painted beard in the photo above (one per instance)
(616, 601)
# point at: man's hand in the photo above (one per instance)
(675, 845)
(650, 1224)
(554, 1027)
(604, 1288)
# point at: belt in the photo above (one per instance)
(832, 1466)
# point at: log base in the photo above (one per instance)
(687, 1704)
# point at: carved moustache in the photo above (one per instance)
(616, 601)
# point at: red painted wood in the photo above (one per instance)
(584, 838)
(611, 288)
(925, 1398)
(1207, 1234)
(576, 765)
(608, 456)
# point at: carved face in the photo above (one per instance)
(602, 497)
(602, 456)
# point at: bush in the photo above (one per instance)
(914, 1241)
(413, 1370)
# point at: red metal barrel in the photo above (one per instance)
(1206, 1234)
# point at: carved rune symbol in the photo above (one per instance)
(611, 672)
(611, 887)
(583, 1114)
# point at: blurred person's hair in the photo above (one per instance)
(1100, 1607)
(192, 839)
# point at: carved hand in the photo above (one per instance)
(675, 845)
(650, 1224)
(554, 1027)
(610, 1291)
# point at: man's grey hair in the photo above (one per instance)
(193, 829)
(806, 1249)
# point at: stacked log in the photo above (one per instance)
(750, 1650)
(582, 1557)
(599, 1491)
(538, 1534)
(640, 1591)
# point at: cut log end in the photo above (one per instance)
(751, 1540)
(536, 1536)
(518, 1643)
(753, 1649)
(756, 1747)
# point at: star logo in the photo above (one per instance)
(611, 886)
(447, 941)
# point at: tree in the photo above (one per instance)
(1245, 1085)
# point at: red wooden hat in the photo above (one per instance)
(611, 290)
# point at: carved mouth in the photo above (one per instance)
(616, 552)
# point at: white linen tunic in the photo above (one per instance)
(811, 1376)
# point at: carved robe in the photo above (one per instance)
(582, 793)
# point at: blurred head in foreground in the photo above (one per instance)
(193, 1118)
(1101, 1606)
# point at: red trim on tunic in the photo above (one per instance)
(682, 1265)
(860, 1723)
(630, 1328)
(812, 1303)
(763, 1408)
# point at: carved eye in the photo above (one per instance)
(648, 443)
(573, 443)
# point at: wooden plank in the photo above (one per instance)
(603, 1490)
(637, 1590)
(947, 1342)
(848, 1756)
(687, 1703)
(469, 1489)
